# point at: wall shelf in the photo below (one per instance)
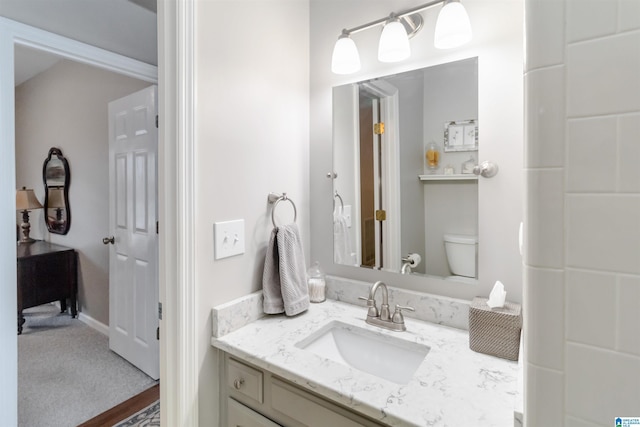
(456, 177)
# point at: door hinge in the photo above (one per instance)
(157, 226)
(157, 121)
(160, 310)
(378, 128)
(381, 215)
(158, 333)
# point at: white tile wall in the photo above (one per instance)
(601, 384)
(592, 155)
(576, 422)
(629, 152)
(628, 315)
(590, 348)
(587, 19)
(545, 117)
(602, 76)
(545, 390)
(603, 232)
(629, 14)
(544, 221)
(544, 318)
(546, 47)
(591, 300)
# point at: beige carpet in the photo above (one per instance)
(66, 372)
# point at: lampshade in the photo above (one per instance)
(26, 200)
(345, 58)
(453, 27)
(394, 43)
(56, 198)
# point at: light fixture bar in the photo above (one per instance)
(398, 15)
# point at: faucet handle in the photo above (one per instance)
(397, 316)
(371, 303)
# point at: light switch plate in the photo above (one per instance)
(228, 237)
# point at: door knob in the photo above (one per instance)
(486, 169)
(108, 240)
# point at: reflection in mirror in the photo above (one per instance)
(404, 148)
(56, 176)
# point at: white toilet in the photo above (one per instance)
(462, 254)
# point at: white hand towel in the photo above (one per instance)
(272, 296)
(341, 243)
(293, 270)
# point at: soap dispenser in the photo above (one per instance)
(316, 282)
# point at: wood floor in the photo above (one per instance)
(125, 409)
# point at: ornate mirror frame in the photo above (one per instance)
(56, 177)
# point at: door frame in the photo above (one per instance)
(390, 111)
(13, 33)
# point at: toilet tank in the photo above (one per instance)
(462, 254)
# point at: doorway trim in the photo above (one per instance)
(14, 33)
(179, 327)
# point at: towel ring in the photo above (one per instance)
(339, 198)
(277, 198)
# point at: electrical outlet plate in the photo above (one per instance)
(228, 237)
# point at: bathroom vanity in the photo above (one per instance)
(273, 374)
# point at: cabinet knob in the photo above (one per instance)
(237, 383)
(107, 240)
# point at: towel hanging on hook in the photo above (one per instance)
(274, 199)
(336, 195)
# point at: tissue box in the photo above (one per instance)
(495, 331)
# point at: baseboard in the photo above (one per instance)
(90, 321)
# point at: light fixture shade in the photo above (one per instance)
(345, 58)
(26, 200)
(394, 43)
(453, 27)
(56, 198)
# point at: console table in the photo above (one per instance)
(46, 273)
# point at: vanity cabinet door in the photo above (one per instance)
(239, 415)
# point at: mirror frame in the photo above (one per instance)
(53, 151)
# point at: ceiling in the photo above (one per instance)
(121, 26)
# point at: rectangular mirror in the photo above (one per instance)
(404, 148)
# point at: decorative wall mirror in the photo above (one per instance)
(56, 176)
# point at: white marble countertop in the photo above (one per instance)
(454, 386)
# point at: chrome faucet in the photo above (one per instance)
(383, 317)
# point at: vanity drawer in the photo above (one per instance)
(244, 380)
(311, 411)
(242, 416)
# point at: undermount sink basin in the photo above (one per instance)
(384, 356)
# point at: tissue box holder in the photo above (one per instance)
(495, 331)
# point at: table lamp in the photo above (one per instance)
(25, 201)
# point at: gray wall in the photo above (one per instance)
(66, 107)
(450, 93)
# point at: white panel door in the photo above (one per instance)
(133, 263)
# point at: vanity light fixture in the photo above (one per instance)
(394, 42)
(453, 29)
(345, 58)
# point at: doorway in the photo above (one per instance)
(11, 34)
